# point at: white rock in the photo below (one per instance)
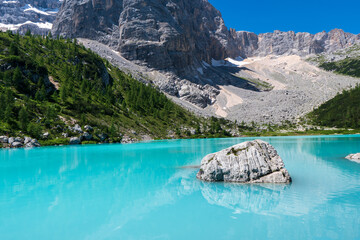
(4, 139)
(27, 140)
(248, 162)
(19, 139)
(16, 145)
(46, 135)
(75, 140)
(88, 128)
(11, 140)
(354, 157)
(77, 128)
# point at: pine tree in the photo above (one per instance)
(14, 50)
(17, 79)
(23, 118)
(2, 105)
(8, 114)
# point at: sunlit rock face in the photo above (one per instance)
(248, 162)
(163, 34)
(23, 15)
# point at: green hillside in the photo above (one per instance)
(347, 66)
(50, 84)
(343, 110)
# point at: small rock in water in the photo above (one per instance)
(354, 157)
(248, 162)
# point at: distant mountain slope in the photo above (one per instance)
(49, 85)
(341, 111)
(344, 109)
(185, 49)
(23, 15)
(291, 43)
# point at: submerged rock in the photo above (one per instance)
(354, 157)
(248, 162)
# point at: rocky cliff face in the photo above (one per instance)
(22, 15)
(179, 34)
(181, 39)
(171, 35)
(288, 43)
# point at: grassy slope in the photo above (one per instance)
(45, 84)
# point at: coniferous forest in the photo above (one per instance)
(47, 85)
(343, 110)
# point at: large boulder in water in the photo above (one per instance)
(248, 162)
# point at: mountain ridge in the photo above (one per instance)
(188, 44)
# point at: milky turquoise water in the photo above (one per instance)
(141, 191)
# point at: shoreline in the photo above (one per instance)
(66, 141)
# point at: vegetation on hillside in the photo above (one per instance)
(343, 111)
(50, 84)
(347, 66)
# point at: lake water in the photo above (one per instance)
(141, 191)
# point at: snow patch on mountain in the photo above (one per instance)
(229, 62)
(14, 27)
(28, 8)
(23, 15)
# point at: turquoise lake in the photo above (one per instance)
(142, 191)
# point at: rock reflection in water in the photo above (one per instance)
(244, 198)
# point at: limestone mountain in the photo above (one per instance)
(167, 35)
(291, 43)
(184, 48)
(23, 15)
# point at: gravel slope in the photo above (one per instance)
(298, 86)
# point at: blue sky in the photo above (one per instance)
(312, 16)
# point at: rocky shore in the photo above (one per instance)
(74, 136)
(18, 142)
